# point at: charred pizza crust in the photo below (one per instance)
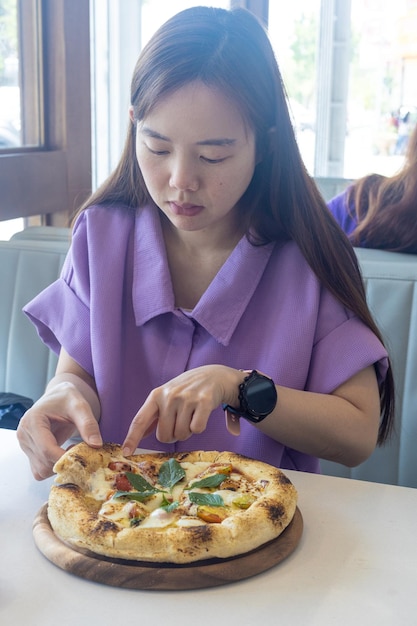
(86, 510)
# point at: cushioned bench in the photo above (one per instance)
(26, 267)
(391, 287)
(33, 259)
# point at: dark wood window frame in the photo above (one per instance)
(54, 179)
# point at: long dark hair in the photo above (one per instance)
(385, 208)
(230, 51)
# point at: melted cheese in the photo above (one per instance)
(118, 512)
(159, 518)
(227, 496)
(194, 469)
(100, 483)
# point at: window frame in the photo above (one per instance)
(54, 179)
(260, 8)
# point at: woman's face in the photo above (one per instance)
(197, 157)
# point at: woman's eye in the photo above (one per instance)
(157, 152)
(207, 160)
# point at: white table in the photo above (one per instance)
(356, 564)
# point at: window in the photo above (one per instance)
(20, 75)
(48, 170)
(350, 69)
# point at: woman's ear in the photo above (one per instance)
(131, 114)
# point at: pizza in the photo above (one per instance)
(167, 508)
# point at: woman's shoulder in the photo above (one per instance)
(106, 215)
(338, 204)
(104, 222)
(343, 210)
(290, 251)
(289, 263)
(101, 229)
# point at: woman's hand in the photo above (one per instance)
(69, 406)
(182, 406)
(341, 426)
(53, 419)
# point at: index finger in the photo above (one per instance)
(141, 425)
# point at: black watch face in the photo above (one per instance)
(261, 396)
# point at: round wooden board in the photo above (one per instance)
(164, 576)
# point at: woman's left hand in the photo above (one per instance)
(182, 406)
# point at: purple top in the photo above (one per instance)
(343, 213)
(113, 311)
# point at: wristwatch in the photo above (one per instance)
(257, 397)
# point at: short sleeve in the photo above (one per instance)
(342, 353)
(61, 319)
(61, 312)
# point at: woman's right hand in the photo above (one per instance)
(58, 415)
(69, 406)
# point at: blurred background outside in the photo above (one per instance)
(377, 99)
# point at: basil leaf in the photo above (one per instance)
(210, 481)
(170, 506)
(170, 473)
(211, 499)
(139, 483)
(134, 495)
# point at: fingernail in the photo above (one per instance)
(126, 451)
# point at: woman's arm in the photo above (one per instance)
(69, 405)
(341, 426)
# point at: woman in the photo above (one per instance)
(381, 212)
(207, 273)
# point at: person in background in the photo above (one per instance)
(380, 211)
(403, 133)
(207, 281)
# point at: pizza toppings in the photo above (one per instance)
(208, 496)
(168, 508)
(211, 495)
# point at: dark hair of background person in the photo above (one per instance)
(230, 51)
(385, 208)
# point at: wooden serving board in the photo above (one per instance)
(163, 576)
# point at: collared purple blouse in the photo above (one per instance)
(113, 311)
(343, 212)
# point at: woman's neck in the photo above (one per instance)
(194, 259)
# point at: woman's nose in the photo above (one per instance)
(183, 176)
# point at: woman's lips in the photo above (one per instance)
(186, 208)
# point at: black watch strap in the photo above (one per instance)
(257, 398)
